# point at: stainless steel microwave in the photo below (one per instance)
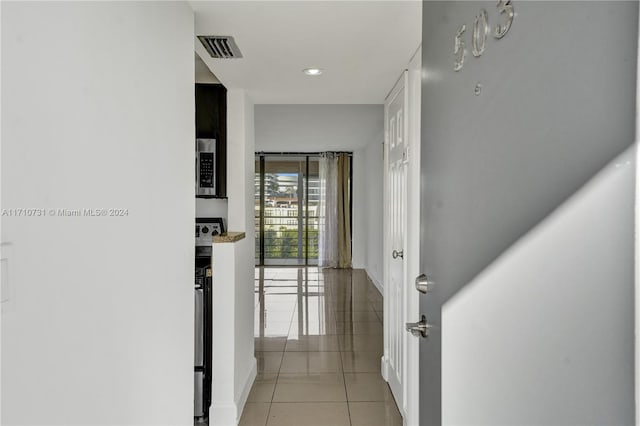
(206, 167)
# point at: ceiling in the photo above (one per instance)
(362, 46)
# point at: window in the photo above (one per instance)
(286, 209)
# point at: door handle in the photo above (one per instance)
(423, 284)
(420, 328)
(398, 254)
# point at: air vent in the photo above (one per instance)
(223, 47)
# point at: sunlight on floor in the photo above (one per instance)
(318, 342)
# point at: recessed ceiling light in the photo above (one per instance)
(312, 71)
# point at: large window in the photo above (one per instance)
(287, 192)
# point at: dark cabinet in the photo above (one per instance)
(211, 123)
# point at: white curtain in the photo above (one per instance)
(328, 232)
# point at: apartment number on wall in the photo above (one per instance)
(480, 31)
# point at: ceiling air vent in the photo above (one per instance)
(223, 47)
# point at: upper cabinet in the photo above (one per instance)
(211, 123)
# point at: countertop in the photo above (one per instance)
(228, 237)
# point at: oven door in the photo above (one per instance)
(199, 369)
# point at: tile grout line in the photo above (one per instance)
(274, 390)
(346, 394)
(273, 394)
(344, 378)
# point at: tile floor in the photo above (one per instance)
(318, 342)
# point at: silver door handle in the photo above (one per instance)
(423, 284)
(398, 254)
(420, 328)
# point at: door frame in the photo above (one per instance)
(410, 405)
(412, 242)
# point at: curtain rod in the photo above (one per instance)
(301, 153)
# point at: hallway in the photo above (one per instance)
(318, 342)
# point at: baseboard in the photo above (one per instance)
(246, 388)
(228, 414)
(222, 414)
(375, 283)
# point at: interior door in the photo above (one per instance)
(395, 246)
(509, 133)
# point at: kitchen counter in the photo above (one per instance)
(228, 237)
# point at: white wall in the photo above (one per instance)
(234, 367)
(535, 322)
(316, 128)
(212, 207)
(202, 72)
(240, 161)
(99, 327)
(374, 168)
(360, 213)
(3, 265)
(240, 175)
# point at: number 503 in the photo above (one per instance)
(480, 31)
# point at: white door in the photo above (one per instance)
(411, 346)
(396, 143)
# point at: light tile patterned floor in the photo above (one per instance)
(318, 345)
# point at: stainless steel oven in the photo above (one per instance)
(205, 229)
(203, 342)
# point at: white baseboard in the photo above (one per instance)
(222, 414)
(375, 283)
(229, 413)
(248, 383)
